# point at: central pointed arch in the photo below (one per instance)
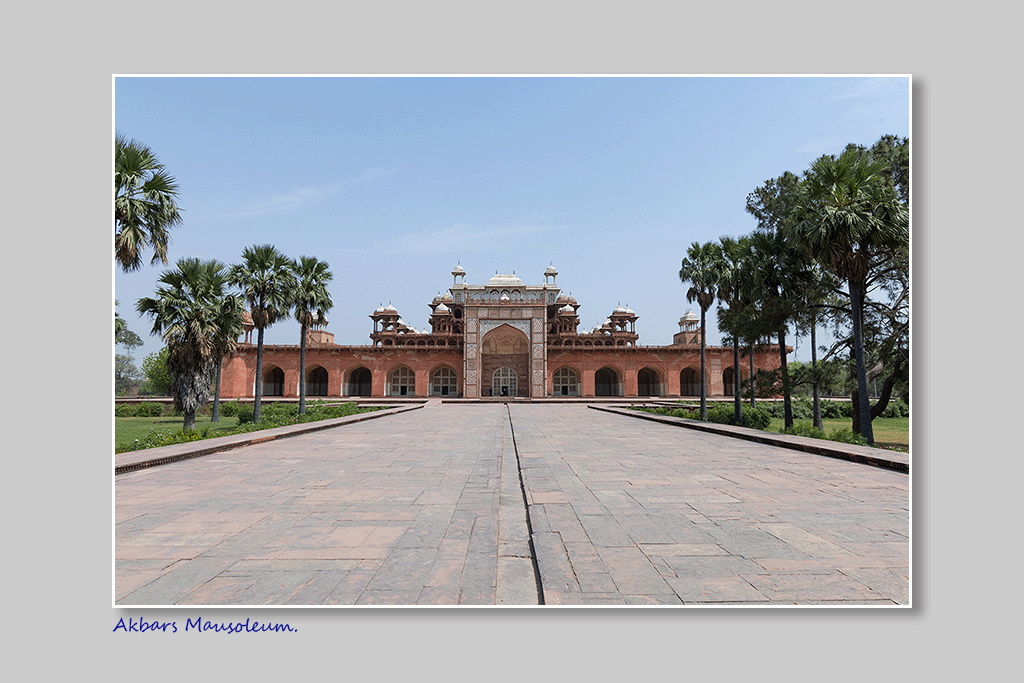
(505, 347)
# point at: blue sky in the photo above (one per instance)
(394, 181)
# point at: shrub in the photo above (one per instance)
(846, 435)
(163, 438)
(229, 409)
(149, 409)
(896, 409)
(244, 414)
(833, 410)
(804, 429)
(755, 418)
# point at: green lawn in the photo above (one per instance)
(888, 431)
(127, 429)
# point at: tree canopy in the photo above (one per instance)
(198, 320)
(145, 208)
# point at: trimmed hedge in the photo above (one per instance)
(755, 418)
(147, 409)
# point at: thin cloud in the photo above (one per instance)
(469, 238)
(373, 174)
(291, 199)
(307, 194)
(872, 88)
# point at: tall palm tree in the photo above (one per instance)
(700, 269)
(267, 283)
(781, 276)
(849, 214)
(733, 258)
(144, 204)
(198, 319)
(312, 301)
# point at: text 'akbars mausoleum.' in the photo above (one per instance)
(499, 339)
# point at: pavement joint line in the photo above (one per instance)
(526, 509)
(803, 444)
(228, 443)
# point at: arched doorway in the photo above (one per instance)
(316, 382)
(565, 382)
(606, 382)
(689, 383)
(443, 382)
(273, 382)
(504, 382)
(505, 347)
(359, 382)
(402, 382)
(729, 381)
(647, 382)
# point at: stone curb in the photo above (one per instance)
(862, 454)
(153, 457)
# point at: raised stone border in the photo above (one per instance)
(153, 457)
(876, 457)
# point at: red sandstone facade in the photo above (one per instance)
(499, 339)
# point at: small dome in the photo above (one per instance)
(572, 299)
(619, 310)
(446, 297)
(567, 309)
(550, 270)
(390, 309)
(442, 309)
(690, 316)
(458, 270)
(562, 299)
(504, 281)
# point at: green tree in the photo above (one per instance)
(781, 275)
(122, 335)
(144, 204)
(700, 269)
(849, 217)
(734, 269)
(158, 377)
(197, 318)
(312, 302)
(126, 375)
(267, 283)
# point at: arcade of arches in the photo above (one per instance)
(502, 339)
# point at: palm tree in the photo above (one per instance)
(848, 215)
(144, 204)
(197, 320)
(700, 269)
(781, 276)
(312, 301)
(267, 283)
(733, 259)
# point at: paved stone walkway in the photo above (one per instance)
(426, 508)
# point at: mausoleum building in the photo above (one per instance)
(500, 339)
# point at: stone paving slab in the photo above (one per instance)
(506, 504)
(400, 511)
(872, 456)
(678, 516)
(152, 457)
